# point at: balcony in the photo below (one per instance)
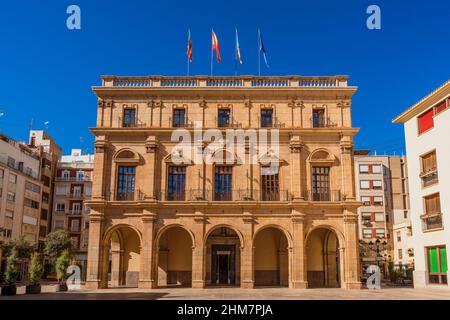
(235, 195)
(429, 177)
(138, 195)
(73, 179)
(432, 221)
(330, 196)
(322, 123)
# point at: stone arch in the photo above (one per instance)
(321, 154)
(174, 251)
(235, 229)
(324, 258)
(126, 154)
(226, 156)
(121, 258)
(272, 246)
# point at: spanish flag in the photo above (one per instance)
(215, 45)
(189, 48)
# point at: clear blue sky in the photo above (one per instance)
(46, 71)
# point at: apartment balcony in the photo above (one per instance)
(322, 123)
(138, 195)
(432, 221)
(429, 177)
(76, 195)
(327, 196)
(73, 179)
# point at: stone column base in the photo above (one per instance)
(198, 284)
(352, 285)
(147, 284)
(247, 284)
(93, 284)
(298, 285)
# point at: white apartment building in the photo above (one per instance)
(427, 133)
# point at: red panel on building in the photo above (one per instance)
(441, 107)
(426, 121)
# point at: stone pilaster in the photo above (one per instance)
(100, 160)
(147, 271)
(247, 253)
(298, 274)
(198, 252)
(296, 177)
(94, 262)
(352, 263)
(348, 173)
(150, 164)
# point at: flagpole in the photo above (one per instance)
(212, 56)
(235, 55)
(259, 53)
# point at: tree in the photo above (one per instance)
(12, 272)
(22, 247)
(36, 269)
(56, 243)
(62, 263)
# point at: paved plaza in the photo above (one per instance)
(48, 292)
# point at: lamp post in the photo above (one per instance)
(377, 248)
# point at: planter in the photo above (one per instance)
(33, 289)
(9, 290)
(61, 287)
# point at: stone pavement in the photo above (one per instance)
(237, 294)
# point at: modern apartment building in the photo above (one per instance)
(285, 217)
(380, 186)
(49, 153)
(427, 130)
(73, 185)
(20, 192)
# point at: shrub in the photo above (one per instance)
(12, 272)
(36, 269)
(62, 263)
(56, 243)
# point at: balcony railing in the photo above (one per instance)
(138, 195)
(188, 195)
(430, 177)
(332, 195)
(432, 221)
(322, 123)
(73, 179)
(235, 195)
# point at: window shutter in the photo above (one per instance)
(441, 107)
(374, 233)
(426, 121)
(372, 216)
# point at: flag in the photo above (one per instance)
(189, 48)
(215, 45)
(238, 56)
(262, 49)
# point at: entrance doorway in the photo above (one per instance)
(223, 258)
(223, 265)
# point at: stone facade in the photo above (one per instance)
(144, 234)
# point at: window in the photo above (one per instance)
(80, 175)
(266, 118)
(75, 225)
(66, 174)
(2, 173)
(179, 118)
(432, 204)
(270, 187)
(380, 233)
(377, 201)
(11, 162)
(363, 168)
(437, 265)
(429, 173)
(76, 208)
(44, 214)
(45, 197)
(400, 253)
(76, 191)
(12, 178)
(367, 200)
(31, 203)
(366, 217)
(399, 236)
(321, 183)
(176, 183)
(364, 184)
(432, 219)
(376, 168)
(7, 233)
(425, 121)
(367, 233)
(126, 183)
(59, 224)
(42, 231)
(223, 183)
(11, 197)
(377, 185)
(379, 217)
(61, 191)
(319, 118)
(60, 207)
(440, 107)
(32, 187)
(9, 214)
(224, 118)
(129, 117)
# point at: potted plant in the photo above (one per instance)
(11, 274)
(62, 263)
(35, 274)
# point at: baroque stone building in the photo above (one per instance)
(157, 222)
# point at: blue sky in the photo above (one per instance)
(46, 70)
